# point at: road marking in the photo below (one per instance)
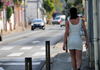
(36, 41)
(16, 54)
(6, 48)
(1, 68)
(43, 58)
(26, 48)
(43, 48)
(38, 54)
(33, 63)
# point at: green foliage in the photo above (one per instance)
(77, 2)
(78, 5)
(17, 2)
(49, 5)
(70, 4)
(59, 5)
(9, 12)
(1, 6)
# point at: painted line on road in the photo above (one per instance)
(16, 54)
(33, 63)
(36, 41)
(1, 68)
(26, 48)
(39, 54)
(6, 48)
(43, 48)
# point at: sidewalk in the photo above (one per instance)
(18, 29)
(62, 61)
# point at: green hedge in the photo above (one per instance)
(9, 12)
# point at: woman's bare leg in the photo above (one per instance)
(78, 58)
(73, 59)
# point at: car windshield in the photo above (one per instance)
(37, 21)
(63, 19)
(32, 19)
(57, 18)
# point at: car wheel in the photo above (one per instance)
(32, 28)
(43, 28)
(60, 25)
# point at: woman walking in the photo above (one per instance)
(73, 26)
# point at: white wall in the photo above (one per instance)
(1, 22)
(31, 10)
(12, 21)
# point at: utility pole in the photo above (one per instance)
(86, 10)
(90, 33)
(25, 14)
(66, 13)
(95, 34)
(66, 9)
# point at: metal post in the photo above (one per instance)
(95, 34)
(66, 47)
(25, 14)
(66, 13)
(90, 33)
(47, 55)
(86, 10)
(28, 63)
(98, 10)
(66, 10)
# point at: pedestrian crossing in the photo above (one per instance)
(17, 57)
(16, 54)
(26, 48)
(6, 48)
(19, 52)
(21, 63)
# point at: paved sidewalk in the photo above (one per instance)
(18, 29)
(62, 61)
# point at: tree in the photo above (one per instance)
(70, 4)
(9, 13)
(49, 5)
(78, 5)
(59, 5)
(77, 2)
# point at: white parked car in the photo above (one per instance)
(37, 23)
(62, 22)
(57, 19)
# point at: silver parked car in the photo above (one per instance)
(37, 23)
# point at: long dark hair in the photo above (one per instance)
(73, 13)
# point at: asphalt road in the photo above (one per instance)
(17, 46)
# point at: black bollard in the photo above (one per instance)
(47, 55)
(28, 63)
(0, 38)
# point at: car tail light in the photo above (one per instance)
(60, 21)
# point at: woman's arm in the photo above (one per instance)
(66, 33)
(86, 35)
